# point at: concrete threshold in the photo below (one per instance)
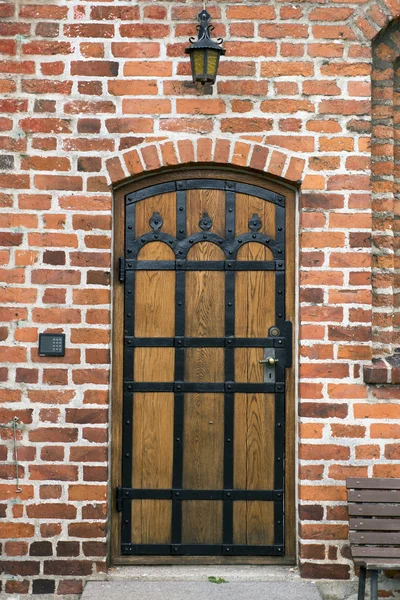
(206, 582)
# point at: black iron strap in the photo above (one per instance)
(202, 550)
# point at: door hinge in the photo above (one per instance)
(119, 499)
(122, 270)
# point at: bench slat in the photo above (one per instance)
(371, 552)
(375, 524)
(378, 483)
(376, 563)
(372, 510)
(374, 496)
(361, 537)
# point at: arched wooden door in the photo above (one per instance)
(206, 308)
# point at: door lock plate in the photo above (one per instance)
(269, 363)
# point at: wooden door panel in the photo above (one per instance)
(204, 364)
(205, 304)
(151, 521)
(254, 441)
(201, 522)
(253, 523)
(162, 204)
(254, 289)
(152, 440)
(247, 206)
(203, 433)
(210, 202)
(203, 441)
(153, 364)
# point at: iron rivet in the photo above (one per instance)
(175, 549)
(279, 495)
(204, 237)
(228, 549)
(229, 341)
(229, 303)
(129, 251)
(230, 230)
(254, 236)
(181, 231)
(279, 251)
(128, 315)
(240, 241)
(279, 549)
(279, 228)
(156, 236)
(280, 292)
(128, 422)
(180, 252)
(179, 303)
(279, 522)
(129, 226)
(127, 493)
(231, 210)
(191, 241)
(278, 459)
(177, 494)
(228, 495)
(143, 240)
(129, 387)
(280, 265)
(181, 208)
(280, 315)
(127, 455)
(126, 521)
(229, 387)
(279, 424)
(178, 439)
(129, 291)
(230, 252)
(228, 440)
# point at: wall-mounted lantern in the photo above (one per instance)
(204, 53)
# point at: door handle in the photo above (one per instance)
(269, 361)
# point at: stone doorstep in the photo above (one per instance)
(250, 581)
(194, 590)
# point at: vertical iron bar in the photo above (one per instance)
(179, 399)
(279, 453)
(127, 411)
(229, 398)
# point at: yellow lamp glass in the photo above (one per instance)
(212, 63)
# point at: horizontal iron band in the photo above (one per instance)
(202, 550)
(182, 387)
(205, 184)
(187, 342)
(179, 494)
(203, 265)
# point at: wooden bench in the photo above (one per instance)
(374, 520)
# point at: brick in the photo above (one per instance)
(16, 530)
(52, 510)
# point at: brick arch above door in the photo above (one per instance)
(156, 155)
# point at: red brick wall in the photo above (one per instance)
(93, 93)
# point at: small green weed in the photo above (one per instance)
(213, 579)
